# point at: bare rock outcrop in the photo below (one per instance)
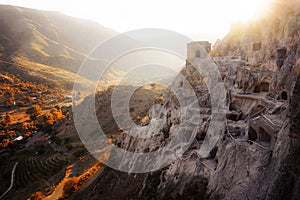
(258, 153)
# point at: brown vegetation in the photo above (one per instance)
(37, 196)
(75, 183)
(7, 120)
(16, 92)
(34, 111)
(53, 116)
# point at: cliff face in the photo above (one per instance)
(258, 155)
(262, 39)
(269, 44)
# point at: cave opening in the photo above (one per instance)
(257, 89)
(263, 87)
(252, 135)
(284, 95)
(264, 136)
(213, 157)
(213, 153)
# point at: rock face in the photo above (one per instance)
(264, 173)
(258, 154)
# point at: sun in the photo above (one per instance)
(246, 10)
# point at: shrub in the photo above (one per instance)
(49, 118)
(69, 146)
(34, 111)
(20, 103)
(58, 115)
(7, 120)
(5, 142)
(30, 100)
(79, 152)
(53, 116)
(27, 134)
(58, 107)
(11, 133)
(8, 104)
(37, 196)
(70, 187)
(29, 126)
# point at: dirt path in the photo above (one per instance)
(12, 180)
(57, 192)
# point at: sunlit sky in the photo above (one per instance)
(199, 19)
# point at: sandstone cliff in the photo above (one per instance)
(257, 156)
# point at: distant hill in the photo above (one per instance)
(44, 36)
(46, 45)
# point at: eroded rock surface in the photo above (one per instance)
(257, 155)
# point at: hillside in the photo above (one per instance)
(49, 38)
(230, 131)
(44, 155)
(48, 46)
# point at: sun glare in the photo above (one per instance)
(246, 10)
(209, 18)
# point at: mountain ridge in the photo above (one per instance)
(46, 42)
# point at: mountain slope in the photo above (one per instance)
(47, 46)
(48, 37)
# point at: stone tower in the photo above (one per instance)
(197, 49)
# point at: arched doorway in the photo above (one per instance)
(284, 95)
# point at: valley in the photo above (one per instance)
(233, 111)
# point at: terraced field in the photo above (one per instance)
(33, 169)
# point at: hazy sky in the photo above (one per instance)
(200, 19)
